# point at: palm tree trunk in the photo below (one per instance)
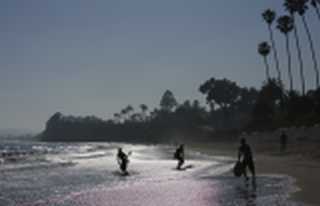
(267, 68)
(314, 58)
(317, 12)
(303, 82)
(289, 61)
(275, 53)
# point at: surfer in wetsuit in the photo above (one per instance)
(179, 155)
(123, 160)
(247, 160)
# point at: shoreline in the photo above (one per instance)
(303, 168)
(210, 181)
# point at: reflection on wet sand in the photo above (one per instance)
(94, 179)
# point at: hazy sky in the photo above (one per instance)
(86, 57)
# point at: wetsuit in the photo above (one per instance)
(123, 161)
(179, 155)
(247, 161)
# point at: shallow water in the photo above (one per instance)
(66, 174)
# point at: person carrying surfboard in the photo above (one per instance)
(123, 160)
(245, 153)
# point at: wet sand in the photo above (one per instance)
(93, 180)
(300, 161)
(305, 171)
(221, 191)
(177, 193)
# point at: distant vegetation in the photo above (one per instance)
(133, 125)
(231, 108)
(286, 24)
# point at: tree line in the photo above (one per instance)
(165, 123)
(286, 24)
(129, 124)
(230, 107)
(277, 106)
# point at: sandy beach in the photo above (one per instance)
(301, 161)
(214, 191)
(86, 174)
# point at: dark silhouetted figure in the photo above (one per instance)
(123, 161)
(247, 160)
(283, 141)
(179, 155)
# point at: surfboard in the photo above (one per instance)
(238, 169)
(190, 166)
(119, 173)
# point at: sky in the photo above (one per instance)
(94, 57)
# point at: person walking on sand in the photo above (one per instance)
(247, 160)
(123, 161)
(179, 155)
(283, 141)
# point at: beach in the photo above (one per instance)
(87, 174)
(301, 160)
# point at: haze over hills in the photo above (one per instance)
(14, 132)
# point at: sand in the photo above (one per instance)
(305, 171)
(94, 179)
(301, 161)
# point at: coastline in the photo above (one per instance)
(94, 180)
(305, 169)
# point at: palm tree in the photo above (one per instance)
(117, 117)
(285, 25)
(315, 4)
(123, 113)
(144, 109)
(301, 8)
(291, 7)
(264, 51)
(269, 17)
(129, 109)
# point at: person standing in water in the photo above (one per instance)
(247, 160)
(123, 160)
(179, 155)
